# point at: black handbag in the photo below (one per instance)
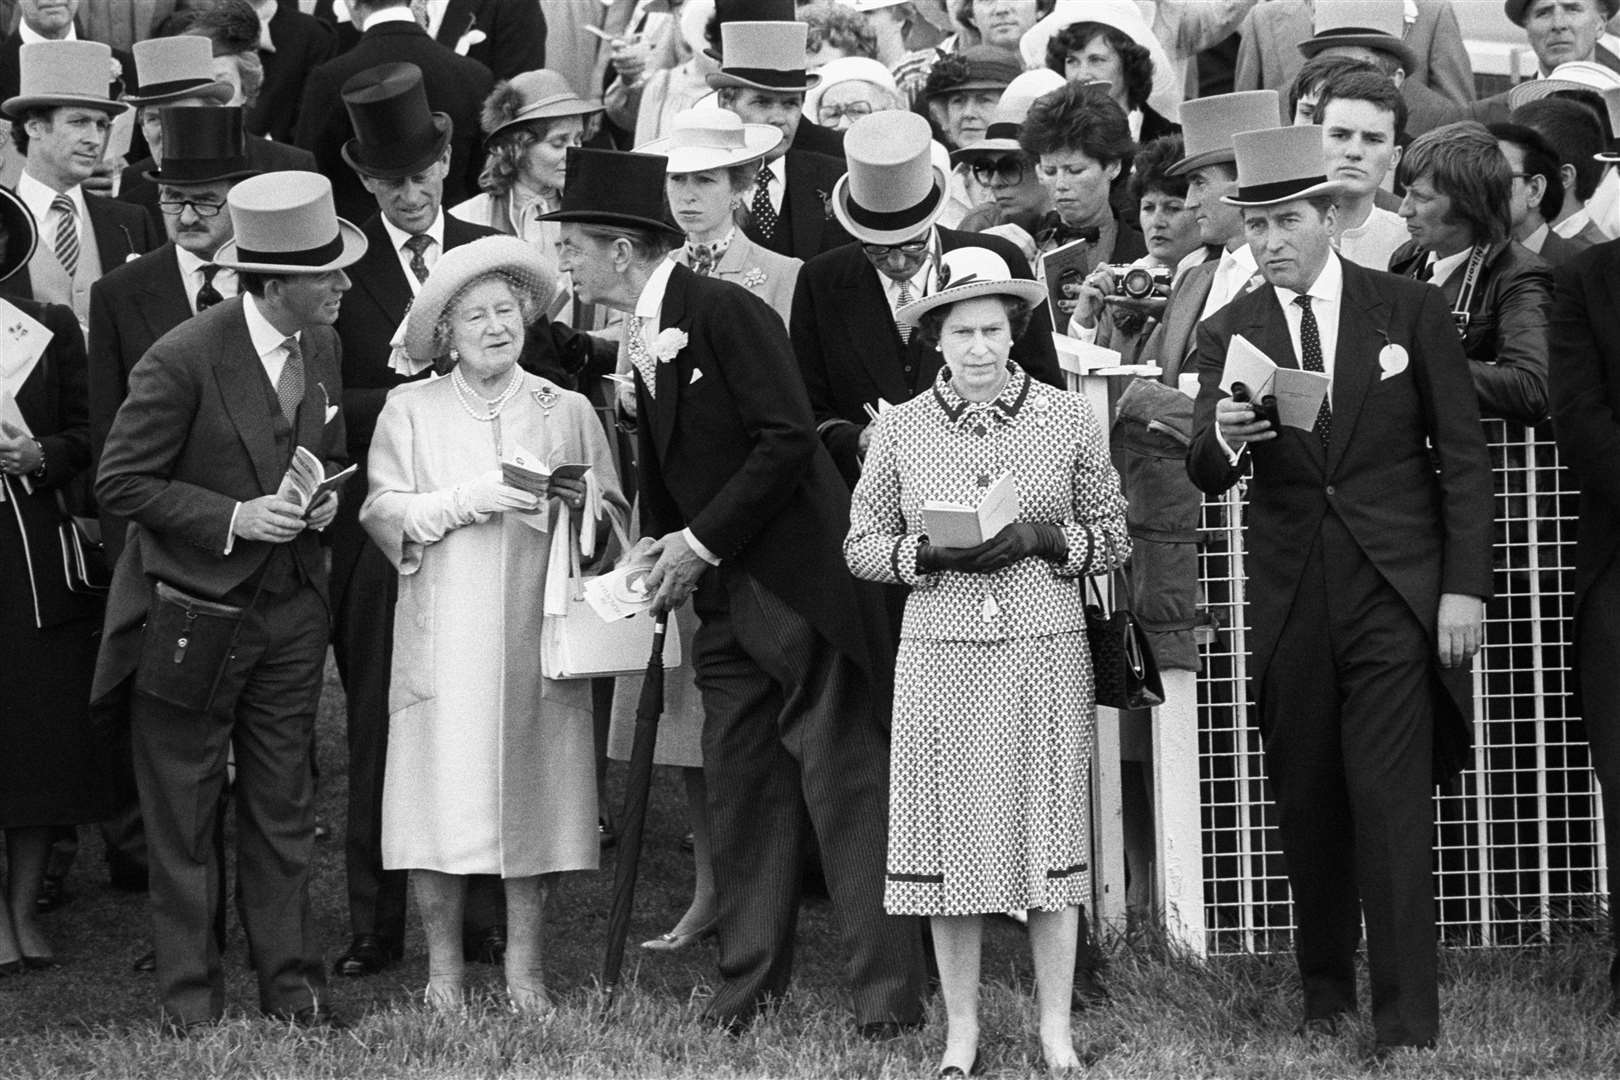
(84, 556)
(1122, 664)
(185, 647)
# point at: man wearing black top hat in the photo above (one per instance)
(749, 516)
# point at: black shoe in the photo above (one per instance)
(187, 1029)
(322, 833)
(885, 1030)
(125, 874)
(367, 954)
(10, 968)
(312, 1016)
(488, 947)
(146, 962)
(1384, 1052)
(41, 963)
(1325, 1027)
(52, 894)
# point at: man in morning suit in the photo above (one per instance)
(180, 71)
(852, 353)
(1585, 389)
(763, 79)
(292, 43)
(60, 121)
(749, 515)
(1369, 557)
(456, 86)
(195, 460)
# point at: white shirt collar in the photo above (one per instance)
(1440, 270)
(38, 195)
(266, 338)
(1538, 239)
(435, 14)
(388, 15)
(398, 236)
(192, 263)
(922, 282)
(191, 275)
(1327, 286)
(1572, 225)
(32, 37)
(650, 304)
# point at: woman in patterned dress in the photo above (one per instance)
(993, 709)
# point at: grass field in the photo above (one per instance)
(1506, 1014)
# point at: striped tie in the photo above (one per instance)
(290, 387)
(67, 233)
(905, 298)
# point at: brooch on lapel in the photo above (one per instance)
(546, 398)
(668, 344)
(754, 278)
(826, 204)
(1039, 406)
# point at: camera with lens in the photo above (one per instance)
(1140, 282)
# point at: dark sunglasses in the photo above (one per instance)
(1009, 169)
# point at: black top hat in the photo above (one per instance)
(755, 11)
(612, 187)
(202, 144)
(395, 133)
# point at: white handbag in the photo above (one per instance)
(575, 643)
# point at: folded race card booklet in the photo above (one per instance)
(1298, 393)
(524, 470)
(306, 481)
(958, 525)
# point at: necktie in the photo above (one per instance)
(67, 234)
(290, 387)
(641, 357)
(764, 213)
(417, 245)
(208, 296)
(905, 298)
(1310, 347)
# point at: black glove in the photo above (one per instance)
(963, 560)
(1020, 540)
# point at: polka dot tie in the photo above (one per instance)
(207, 295)
(765, 218)
(417, 245)
(1310, 347)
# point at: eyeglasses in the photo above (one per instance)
(1009, 169)
(831, 114)
(201, 209)
(910, 247)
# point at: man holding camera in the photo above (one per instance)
(1205, 288)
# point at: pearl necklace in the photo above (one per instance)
(465, 394)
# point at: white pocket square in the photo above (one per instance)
(696, 375)
(331, 413)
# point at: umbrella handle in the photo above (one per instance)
(660, 630)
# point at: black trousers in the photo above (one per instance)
(265, 706)
(1597, 647)
(1347, 716)
(790, 745)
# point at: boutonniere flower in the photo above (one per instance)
(754, 278)
(826, 204)
(668, 344)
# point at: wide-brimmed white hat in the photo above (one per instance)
(517, 260)
(285, 223)
(701, 139)
(849, 69)
(55, 74)
(1576, 76)
(1278, 165)
(969, 272)
(1371, 24)
(175, 68)
(1007, 122)
(764, 56)
(1208, 124)
(893, 190)
(1124, 16)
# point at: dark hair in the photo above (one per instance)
(1575, 133)
(1019, 313)
(1464, 163)
(1077, 117)
(1148, 171)
(1317, 71)
(254, 281)
(1375, 90)
(840, 27)
(1135, 62)
(646, 244)
(961, 12)
(1540, 159)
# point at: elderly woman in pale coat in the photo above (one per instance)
(490, 764)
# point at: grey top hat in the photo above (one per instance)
(286, 223)
(893, 190)
(64, 73)
(1208, 124)
(764, 56)
(173, 68)
(1372, 24)
(1278, 165)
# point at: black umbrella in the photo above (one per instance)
(649, 708)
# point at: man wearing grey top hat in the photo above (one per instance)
(218, 610)
(1369, 555)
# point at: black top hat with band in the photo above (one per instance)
(202, 144)
(1278, 165)
(613, 187)
(395, 133)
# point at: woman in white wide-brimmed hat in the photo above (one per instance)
(994, 707)
(491, 766)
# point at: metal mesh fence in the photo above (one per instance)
(1518, 837)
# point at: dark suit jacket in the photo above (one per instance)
(264, 155)
(130, 309)
(1557, 250)
(514, 33)
(1506, 337)
(302, 43)
(806, 227)
(812, 137)
(850, 353)
(121, 231)
(734, 457)
(1420, 513)
(455, 85)
(1586, 414)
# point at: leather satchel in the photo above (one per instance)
(84, 556)
(575, 643)
(185, 647)
(1122, 664)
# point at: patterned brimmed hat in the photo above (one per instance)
(966, 273)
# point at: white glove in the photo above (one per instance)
(490, 494)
